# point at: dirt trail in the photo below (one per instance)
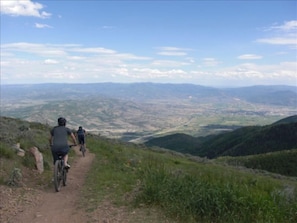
(60, 206)
(33, 205)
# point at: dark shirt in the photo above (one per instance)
(60, 137)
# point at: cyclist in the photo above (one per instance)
(59, 140)
(81, 133)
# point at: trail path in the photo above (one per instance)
(32, 205)
(62, 206)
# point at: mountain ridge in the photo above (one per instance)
(286, 95)
(137, 110)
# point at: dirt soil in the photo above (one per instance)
(27, 204)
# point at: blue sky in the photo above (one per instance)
(212, 43)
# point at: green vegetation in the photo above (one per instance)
(183, 189)
(186, 191)
(27, 135)
(249, 140)
(282, 162)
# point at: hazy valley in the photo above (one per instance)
(142, 111)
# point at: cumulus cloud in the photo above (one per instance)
(23, 8)
(55, 61)
(169, 63)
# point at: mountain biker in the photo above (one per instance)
(81, 133)
(59, 140)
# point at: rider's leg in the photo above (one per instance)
(83, 142)
(65, 158)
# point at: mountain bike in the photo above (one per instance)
(82, 149)
(60, 172)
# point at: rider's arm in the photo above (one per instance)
(73, 139)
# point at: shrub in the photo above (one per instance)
(6, 152)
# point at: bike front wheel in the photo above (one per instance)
(64, 176)
(58, 174)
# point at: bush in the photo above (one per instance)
(6, 152)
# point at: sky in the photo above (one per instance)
(211, 43)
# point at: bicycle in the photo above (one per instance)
(60, 172)
(82, 149)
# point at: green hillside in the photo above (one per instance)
(251, 140)
(279, 136)
(282, 162)
(183, 188)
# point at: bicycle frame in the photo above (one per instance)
(60, 172)
(82, 149)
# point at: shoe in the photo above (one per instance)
(67, 166)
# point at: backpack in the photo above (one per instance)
(80, 132)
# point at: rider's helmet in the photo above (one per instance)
(61, 121)
(79, 127)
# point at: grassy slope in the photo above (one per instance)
(249, 140)
(184, 188)
(187, 190)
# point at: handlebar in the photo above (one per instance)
(71, 145)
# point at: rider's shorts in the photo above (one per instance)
(81, 139)
(62, 152)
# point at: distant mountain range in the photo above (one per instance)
(274, 95)
(140, 111)
(251, 140)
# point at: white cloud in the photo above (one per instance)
(41, 26)
(51, 61)
(96, 50)
(210, 62)
(249, 57)
(169, 63)
(286, 34)
(23, 8)
(279, 41)
(287, 26)
(285, 71)
(129, 56)
(173, 51)
(23, 62)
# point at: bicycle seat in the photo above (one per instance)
(60, 155)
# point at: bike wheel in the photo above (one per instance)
(83, 150)
(58, 175)
(64, 176)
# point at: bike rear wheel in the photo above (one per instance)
(58, 174)
(83, 150)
